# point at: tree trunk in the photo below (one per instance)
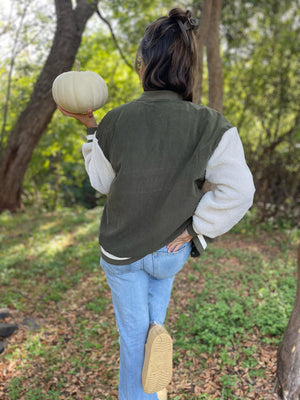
(288, 356)
(208, 34)
(38, 112)
(201, 39)
(213, 58)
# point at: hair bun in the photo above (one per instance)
(180, 14)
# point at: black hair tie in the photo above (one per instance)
(191, 23)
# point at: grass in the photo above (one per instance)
(37, 251)
(228, 311)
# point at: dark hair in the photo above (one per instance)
(168, 51)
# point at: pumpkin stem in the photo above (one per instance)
(77, 65)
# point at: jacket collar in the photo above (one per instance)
(159, 95)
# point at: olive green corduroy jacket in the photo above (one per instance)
(159, 146)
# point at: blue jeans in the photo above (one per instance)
(141, 293)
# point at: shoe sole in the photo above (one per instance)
(162, 394)
(158, 362)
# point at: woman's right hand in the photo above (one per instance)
(88, 119)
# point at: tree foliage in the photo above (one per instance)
(38, 112)
(261, 68)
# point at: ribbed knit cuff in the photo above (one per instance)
(90, 131)
(191, 230)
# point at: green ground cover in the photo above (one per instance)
(227, 314)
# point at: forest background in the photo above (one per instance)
(229, 308)
(259, 49)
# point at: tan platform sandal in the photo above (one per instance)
(158, 362)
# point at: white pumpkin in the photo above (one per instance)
(79, 91)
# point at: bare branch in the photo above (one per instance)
(270, 147)
(114, 38)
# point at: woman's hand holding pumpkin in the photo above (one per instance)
(87, 119)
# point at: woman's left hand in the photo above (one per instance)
(179, 241)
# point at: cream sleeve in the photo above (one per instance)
(220, 209)
(97, 166)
